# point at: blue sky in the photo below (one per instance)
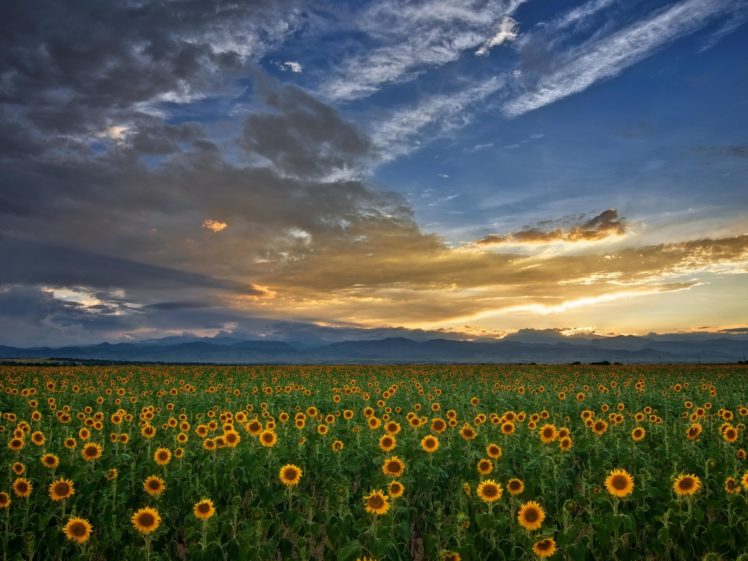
(475, 167)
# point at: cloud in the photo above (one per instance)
(739, 151)
(411, 37)
(606, 57)
(302, 136)
(507, 32)
(605, 225)
(405, 128)
(72, 79)
(293, 66)
(214, 226)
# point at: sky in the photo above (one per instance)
(275, 167)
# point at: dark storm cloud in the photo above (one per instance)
(303, 137)
(28, 262)
(114, 54)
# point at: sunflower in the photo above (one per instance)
(467, 432)
(531, 515)
(730, 434)
(744, 480)
(50, 461)
(430, 443)
(77, 530)
(599, 427)
(22, 487)
(565, 444)
(694, 431)
(619, 483)
(38, 438)
(376, 502)
(731, 486)
(16, 444)
(392, 427)
(290, 475)
(19, 468)
(146, 520)
(387, 442)
(231, 437)
(337, 445)
(268, 438)
(154, 485)
(4, 500)
(489, 490)
(545, 547)
(515, 486)
(438, 425)
(112, 474)
(548, 434)
(393, 467)
(204, 509)
(508, 428)
(61, 489)
(686, 485)
(494, 451)
(162, 456)
(638, 434)
(91, 451)
(485, 466)
(396, 489)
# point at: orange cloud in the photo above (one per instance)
(604, 225)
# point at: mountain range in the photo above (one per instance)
(539, 346)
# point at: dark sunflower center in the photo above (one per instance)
(78, 529)
(146, 519)
(62, 489)
(532, 515)
(544, 545)
(619, 482)
(291, 474)
(514, 485)
(686, 484)
(490, 491)
(203, 508)
(376, 502)
(154, 485)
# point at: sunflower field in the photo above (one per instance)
(426, 462)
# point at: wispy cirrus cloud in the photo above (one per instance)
(402, 131)
(507, 32)
(413, 37)
(606, 57)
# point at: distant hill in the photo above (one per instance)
(525, 347)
